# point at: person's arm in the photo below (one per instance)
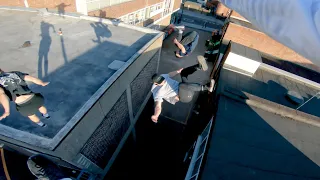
(180, 46)
(173, 73)
(157, 111)
(5, 103)
(35, 80)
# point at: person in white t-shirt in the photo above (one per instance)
(165, 88)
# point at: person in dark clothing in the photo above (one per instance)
(13, 87)
(165, 88)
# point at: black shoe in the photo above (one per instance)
(43, 168)
(202, 63)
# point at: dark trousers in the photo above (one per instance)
(186, 91)
(184, 76)
(188, 71)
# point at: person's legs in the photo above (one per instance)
(187, 71)
(186, 90)
(197, 87)
(34, 118)
(202, 65)
(189, 37)
(44, 112)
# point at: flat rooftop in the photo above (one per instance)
(75, 63)
(269, 82)
(170, 63)
(244, 33)
(252, 143)
(264, 137)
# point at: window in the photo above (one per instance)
(156, 9)
(142, 14)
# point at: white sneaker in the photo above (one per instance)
(202, 63)
(182, 28)
(212, 82)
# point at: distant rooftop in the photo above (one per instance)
(244, 33)
(75, 63)
(269, 82)
(264, 137)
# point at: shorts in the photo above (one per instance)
(185, 94)
(31, 106)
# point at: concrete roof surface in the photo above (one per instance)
(251, 143)
(270, 84)
(75, 63)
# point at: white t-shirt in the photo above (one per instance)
(168, 91)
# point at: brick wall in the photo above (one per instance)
(264, 43)
(177, 4)
(118, 10)
(60, 5)
(222, 10)
(11, 3)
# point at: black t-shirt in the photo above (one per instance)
(13, 84)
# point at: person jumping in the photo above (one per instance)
(13, 87)
(172, 91)
(186, 43)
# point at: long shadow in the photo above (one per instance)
(101, 30)
(44, 48)
(61, 8)
(73, 83)
(63, 48)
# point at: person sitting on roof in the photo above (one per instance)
(13, 86)
(186, 43)
(172, 91)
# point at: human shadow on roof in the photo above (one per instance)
(61, 9)
(72, 84)
(44, 48)
(101, 30)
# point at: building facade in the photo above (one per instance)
(135, 12)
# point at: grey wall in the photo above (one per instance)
(107, 123)
(100, 131)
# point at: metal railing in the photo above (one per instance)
(198, 153)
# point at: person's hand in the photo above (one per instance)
(175, 40)
(179, 71)
(45, 83)
(4, 115)
(154, 118)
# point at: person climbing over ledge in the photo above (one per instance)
(186, 43)
(13, 87)
(172, 91)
